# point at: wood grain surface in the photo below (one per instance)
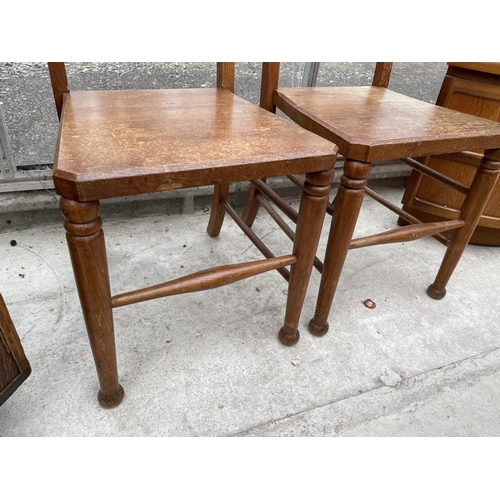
(117, 143)
(374, 123)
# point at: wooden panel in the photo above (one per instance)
(11, 337)
(436, 191)
(477, 106)
(14, 366)
(474, 98)
(485, 67)
(467, 90)
(8, 368)
(485, 234)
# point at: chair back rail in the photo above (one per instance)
(59, 80)
(382, 74)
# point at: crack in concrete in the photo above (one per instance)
(382, 400)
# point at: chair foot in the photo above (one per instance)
(318, 330)
(288, 336)
(435, 293)
(111, 400)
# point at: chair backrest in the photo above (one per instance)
(269, 83)
(59, 80)
(382, 74)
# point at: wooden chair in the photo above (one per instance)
(14, 366)
(371, 124)
(473, 88)
(120, 143)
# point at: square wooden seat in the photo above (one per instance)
(376, 124)
(372, 124)
(120, 143)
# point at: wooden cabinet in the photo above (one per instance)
(472, 88)
(14, 367)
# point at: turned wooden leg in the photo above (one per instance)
(347, 206)
(251, 205)
(472, 209)
(309, 224)
(221, 192)
(88, 255)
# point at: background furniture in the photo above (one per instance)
(372, 124)
(473, 88)
(119, 143)
(14, 366)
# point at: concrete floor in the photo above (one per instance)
(210, 363)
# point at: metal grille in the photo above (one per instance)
(310, 74)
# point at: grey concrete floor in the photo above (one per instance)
(210, 363)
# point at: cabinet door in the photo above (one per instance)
(472, 88)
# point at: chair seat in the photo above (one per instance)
(373, 123)
(117, 143)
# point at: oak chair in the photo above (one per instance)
(119, 143)
(371, 124)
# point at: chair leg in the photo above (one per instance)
(347, 206)
(88, 256)
(251, 206)
(472, 209)
(309, 224)
(221, 192)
